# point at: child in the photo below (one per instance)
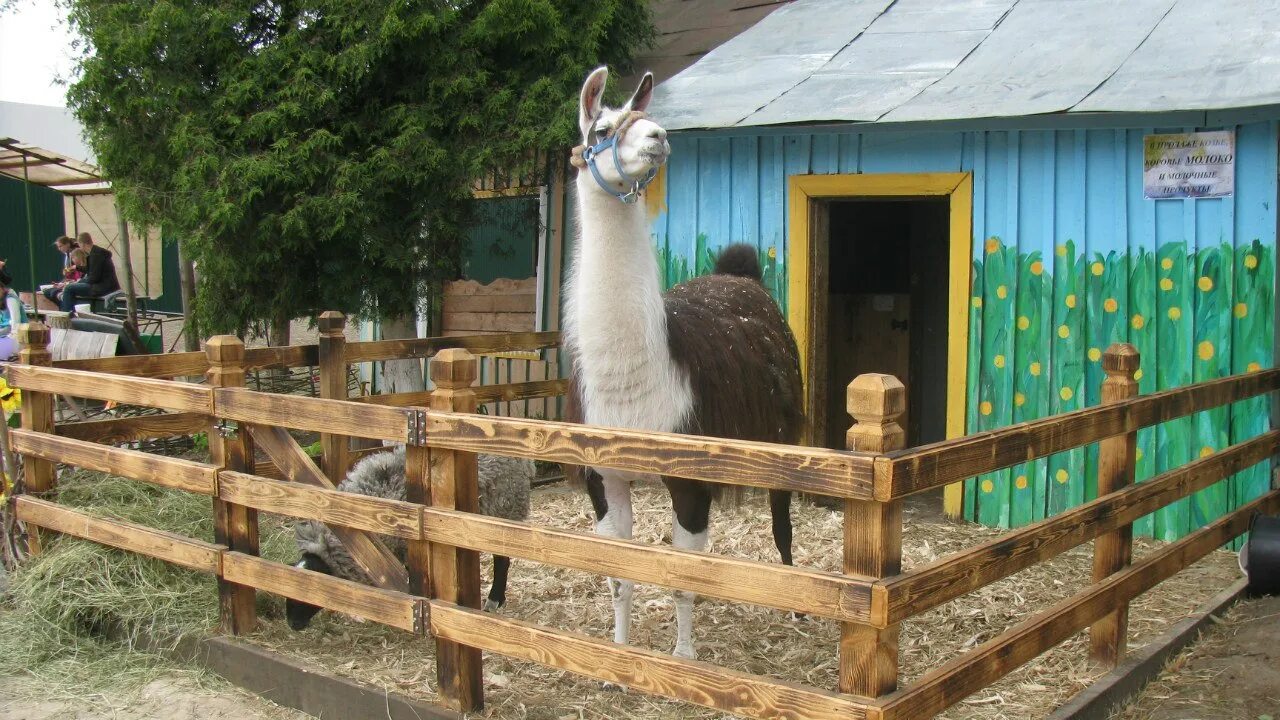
(12, 314)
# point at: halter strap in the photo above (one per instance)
(584, 157)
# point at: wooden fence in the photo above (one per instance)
(439, 591)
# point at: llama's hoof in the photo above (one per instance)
(685, 651)
(491, 605)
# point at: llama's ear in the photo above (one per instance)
(644, 93)
(592, 91)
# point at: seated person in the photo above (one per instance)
(67, 247)
(12, 314)
(99, 278)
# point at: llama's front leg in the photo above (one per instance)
(611, 499)
(691, 510)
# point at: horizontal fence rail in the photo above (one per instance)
(132, 429)
(942, 463)
(188, 475)
(164, 394)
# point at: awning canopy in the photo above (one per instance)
(22, 161)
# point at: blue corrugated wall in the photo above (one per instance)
(1068, 257)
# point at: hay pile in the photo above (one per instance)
(749, 638)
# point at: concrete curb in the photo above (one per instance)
(1108, 692)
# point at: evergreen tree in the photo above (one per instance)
(319, 154)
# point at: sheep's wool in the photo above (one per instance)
(504, 492)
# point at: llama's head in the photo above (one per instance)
(639, 145)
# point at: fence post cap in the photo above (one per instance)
(1121, 359)
(331, 322)
(224, 349)
(454, 368)
(876, 395)
(33, 333)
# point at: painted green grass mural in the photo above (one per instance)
(676, 268)
(1038, 329)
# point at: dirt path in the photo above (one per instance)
(173, 698)
(1231, 673)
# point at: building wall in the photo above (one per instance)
(48, 221)
(1068, 258)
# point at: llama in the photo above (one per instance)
(504, 492)
(712, 356)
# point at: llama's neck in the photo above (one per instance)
(616, 322)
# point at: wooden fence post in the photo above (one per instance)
(1117, 457)
(455, 573)
(39, 476)
(872, 535)
(333, 385)
(231, 448)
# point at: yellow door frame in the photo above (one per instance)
(802, 190)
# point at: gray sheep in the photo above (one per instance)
(504, 492)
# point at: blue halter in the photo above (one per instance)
(589, 154)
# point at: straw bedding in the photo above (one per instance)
(748, 638)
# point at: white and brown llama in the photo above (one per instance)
(712, 356)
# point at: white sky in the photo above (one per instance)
(35, 48)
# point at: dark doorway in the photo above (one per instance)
(886, 308)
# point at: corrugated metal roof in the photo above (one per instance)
(921, 60)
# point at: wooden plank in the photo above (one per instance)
(332, 507)
(738, 462)
(372, 556)
(515, 303)
(950, 577)
(282, 357)
(872, 535)
(512, 392)
(175, 396)
(388, 607)
(490, 321)
(195, 477)
(772, 585)
(341, 417)
(376, 350)
(652, 672)
(167, 365)
(169, 547)
(131, 429)
(1117, 467)
(956, 680)
(333, 385)
(933, 465)
(418, 398)
(39, 475)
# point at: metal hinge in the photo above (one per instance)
(227, 428)
(416, 420)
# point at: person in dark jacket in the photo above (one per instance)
(99, 279)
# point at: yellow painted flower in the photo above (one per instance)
(1138, 321)
(1097, 269)
(1061, 250)
(1175, 313)
(10, 398)
(992, 245)
(1062, 475)
(1110, 305)
(1205, 283)
(985, 407)
(1020, 482)
(1137, 455)
(1167, 263)
(987, 486)
(998, 361)
(1206, 451)
(1066, 393)
(1205, 350)
(1002, 292)
(1064, 332)
(1251, 261)
(1023, 322)
(1137, 374)
(1071, 300)
(1095, 354)
(1019, 399)
(1241, 310)
(773, 253)
(1035, 369)
(1037, 267)
(1166, 284)
(977, 302)
(1253, 367)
